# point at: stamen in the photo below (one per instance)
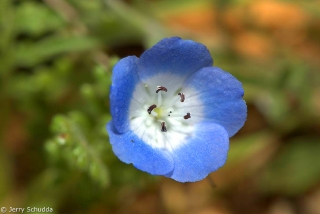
(182, 97)
(159, 99)
(163, 127)
(187, 116)
(151, 108)
(174, 115)
(161, 88)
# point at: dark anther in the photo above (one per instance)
(163, 127)
(151, 108)
(187, 116)
(161, 88)
(182, 97)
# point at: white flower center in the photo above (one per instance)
(164, 116)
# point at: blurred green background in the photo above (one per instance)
(56, 58)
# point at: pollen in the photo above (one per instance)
(159, 112)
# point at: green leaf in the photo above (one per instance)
(34, 53)
(35, 19)
(71, 143)
(295, 170)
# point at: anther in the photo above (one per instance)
(163, 127)
(161, 88)
(187, 116)
(151, 108)
(182, 97)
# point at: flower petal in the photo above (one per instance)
(174, 56)
(124, 80)
(202, 154)
(221, 95)
(130, 149)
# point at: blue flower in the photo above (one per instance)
(173, 112)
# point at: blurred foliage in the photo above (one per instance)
(56, 59)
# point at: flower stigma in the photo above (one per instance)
(159, 112)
